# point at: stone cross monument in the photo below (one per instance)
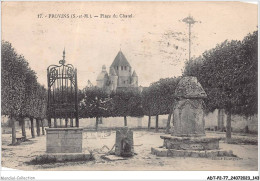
(188, 137)
(188, 114)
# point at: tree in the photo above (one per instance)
(147, 106)
(21, 95)
(228, 73)
(158, 99)
(95, 103)
(126, 103)
(13, 67)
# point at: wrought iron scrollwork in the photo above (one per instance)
(62, 91)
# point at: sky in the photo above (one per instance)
(151, 35)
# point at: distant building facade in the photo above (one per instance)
(120, 75)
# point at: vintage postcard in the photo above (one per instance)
(129, 86)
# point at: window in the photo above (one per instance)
(124, 82)
(117, 67)
(122, 68)
(125, 67)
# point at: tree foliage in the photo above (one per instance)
(95, 102)
(126, 103)
(13, 67)
(158, 98)
(228, 73)
(98, 103)
(22, 95)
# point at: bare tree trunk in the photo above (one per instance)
(13, 130)
(55, 122)
(23, 128)
(228, 126)
(71, 122)
(247, 128)
(38, 130)
(49, 122)
(32, 128)
(96, 123)
(66, 122)
(156, 123)
(169, 121)
(20, 121)
(219, 112)
(42, 123)
(149, 122)
(125, 121)
(222, 119)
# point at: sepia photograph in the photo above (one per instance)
(129, 86)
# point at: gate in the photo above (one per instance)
(62, 93)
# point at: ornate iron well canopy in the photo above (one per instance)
(62, 92)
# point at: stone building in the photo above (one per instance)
(120, 75)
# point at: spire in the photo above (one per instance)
(103, 68)
(63, 54)
(134, 74)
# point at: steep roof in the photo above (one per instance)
(189, 87)
(134, 74)
(120, 60)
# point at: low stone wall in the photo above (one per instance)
(64, 140)
(238, 123)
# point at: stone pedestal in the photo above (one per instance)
(190, 143)
(188, 118)
(64, 140)
(124, 142)
(176, 146)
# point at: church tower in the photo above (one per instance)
(134, 79)
(123, 70)
(113, 79)
(102, 78)
(120, 75)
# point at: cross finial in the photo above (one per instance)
(63, 54)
